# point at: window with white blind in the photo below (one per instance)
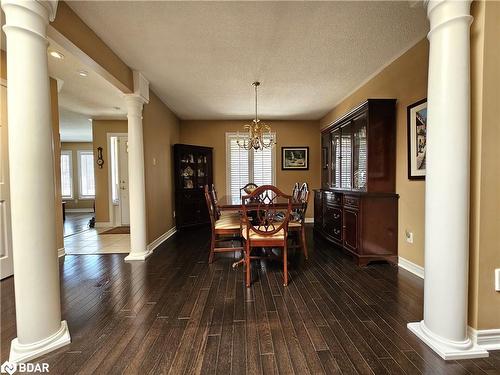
(244, 166)
(66, 175)
(86, 174)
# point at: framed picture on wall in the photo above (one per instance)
(417, 139)
(294, 158)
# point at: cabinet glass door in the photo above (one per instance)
(325, 160)
(346, 157)
(336, 159)
(360, 156)
(201, 170)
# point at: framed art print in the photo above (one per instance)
(417, 139)
(294, 158)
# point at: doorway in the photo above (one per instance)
(119, 189)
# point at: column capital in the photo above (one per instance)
(44, 8)
(29, 16)
(135, 104)
(441, 12)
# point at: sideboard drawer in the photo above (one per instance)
(333, 199)
(351, 201)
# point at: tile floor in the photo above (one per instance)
(91, 242)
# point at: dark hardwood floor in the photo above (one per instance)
(176, 314)
(76, 222)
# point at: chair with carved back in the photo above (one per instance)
(298, 218)
(263, 224)
(248, 189)
(223, 229)
(218, 212)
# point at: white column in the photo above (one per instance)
(137, 190)
(444, 327)
(36, 267)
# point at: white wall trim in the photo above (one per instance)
(79, 210)
(104, 224)
(411, 267)
(61, 252)
(309, 220)
(165, 236)
(489, 339)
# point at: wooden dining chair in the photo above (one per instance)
(223, 229)
(298, 218)
(248, 189)
(218, 212)
(296, 191)
(263, 226)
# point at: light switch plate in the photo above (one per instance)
(497, 280)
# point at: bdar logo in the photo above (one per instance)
(8, 367)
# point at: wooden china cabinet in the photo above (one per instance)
(357, 207)
(193, 170)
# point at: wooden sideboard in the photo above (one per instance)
(357, 207)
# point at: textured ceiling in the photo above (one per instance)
(201, 57)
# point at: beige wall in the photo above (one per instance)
(100, 129)
(288, 133)
(161, 131)
(405, 80)
(484, 302)
(74, 147)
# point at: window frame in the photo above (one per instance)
(79, 155)
(232, 135)
(69, 153)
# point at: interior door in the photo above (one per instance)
(6, 266)
(123, 175)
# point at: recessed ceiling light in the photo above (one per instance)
(56, 55)
(83, 73)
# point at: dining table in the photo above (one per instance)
(235, 203)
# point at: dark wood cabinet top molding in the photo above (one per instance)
(355, 111)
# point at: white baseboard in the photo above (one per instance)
(165, 236)
(79, 210)
(61, 252)
(489, 339)
(309, 220)
(104, 224)
(411, 267)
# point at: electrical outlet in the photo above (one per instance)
(154, 161)
(409, 236)
(497, 280)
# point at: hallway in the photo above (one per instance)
(175, 313)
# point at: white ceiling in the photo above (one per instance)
(201, 57)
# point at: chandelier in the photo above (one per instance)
(259, 134)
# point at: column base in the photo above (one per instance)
(138, 256)
(447, 349)
(25, 352)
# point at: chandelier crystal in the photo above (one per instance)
(257, 131)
